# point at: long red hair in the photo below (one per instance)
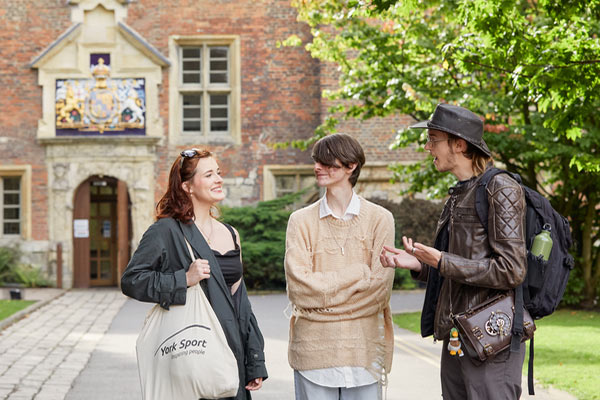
(176, 202)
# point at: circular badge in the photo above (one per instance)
(499, 323)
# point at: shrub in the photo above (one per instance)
(13, 271)
(262, 229)
(9, 257)
(416, 219)
(573, 295)
(403, 280)
(31, 276)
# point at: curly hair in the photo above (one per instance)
(176, 202)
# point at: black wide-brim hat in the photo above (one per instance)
(457, 121)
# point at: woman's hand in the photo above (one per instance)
(199, 270)
(254, 384)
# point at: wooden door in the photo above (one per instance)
(81, 240)
(103, 232)
(123, 230)
(101, 247)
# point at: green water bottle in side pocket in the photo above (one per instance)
(542, 244)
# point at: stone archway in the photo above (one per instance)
(101, 232)
(71, 164)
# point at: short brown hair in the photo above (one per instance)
(341, 147)
(479, 158)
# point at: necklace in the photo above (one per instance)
(207, 237)
(333, 236)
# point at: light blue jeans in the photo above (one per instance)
(306, 390)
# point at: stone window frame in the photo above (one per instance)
(177, 88)
(271, 172)
(24, 172)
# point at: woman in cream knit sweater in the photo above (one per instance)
(341, 335)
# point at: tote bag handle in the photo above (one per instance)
(191, 253)
(190, 249)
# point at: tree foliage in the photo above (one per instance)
(530, 68)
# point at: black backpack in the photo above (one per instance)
(546, 281)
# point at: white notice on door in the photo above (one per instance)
(81, 228)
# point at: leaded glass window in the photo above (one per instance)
(205, 89)
(10, 205)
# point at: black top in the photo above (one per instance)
(230, 262)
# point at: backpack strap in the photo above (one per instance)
(517, 334)
(517, 331)
(530, 368)
(482, 204)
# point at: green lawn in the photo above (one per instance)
(9, 307)
(410, 321)
(567, 351)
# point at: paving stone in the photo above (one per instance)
(10, 379)
(27, 391)
(56, 388)
(19, 397)
(31, 382)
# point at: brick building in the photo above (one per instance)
(100, 96)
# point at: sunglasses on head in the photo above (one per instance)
(191, 153)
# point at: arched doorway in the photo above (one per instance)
(101, 232)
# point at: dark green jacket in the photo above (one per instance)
(156, 273)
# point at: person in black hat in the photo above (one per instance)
(468, 264)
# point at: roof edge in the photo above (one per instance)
(72, 31)
(143, 45)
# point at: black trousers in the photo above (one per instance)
(498, 378)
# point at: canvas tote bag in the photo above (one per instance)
(183, 354)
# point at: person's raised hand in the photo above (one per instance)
(392, 257)
(425, 254)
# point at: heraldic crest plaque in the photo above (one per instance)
(101, 104)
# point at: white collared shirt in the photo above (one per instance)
(352, 209)
(347, 377)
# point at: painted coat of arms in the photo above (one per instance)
(101, 104)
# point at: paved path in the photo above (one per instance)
(43, 353)
(82, 346)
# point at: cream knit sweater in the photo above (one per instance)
(341, 313)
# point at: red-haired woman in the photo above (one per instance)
(160, 270)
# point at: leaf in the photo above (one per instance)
(291, 41)
(574, 133)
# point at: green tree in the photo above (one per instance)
(531, 68)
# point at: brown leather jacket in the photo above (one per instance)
(478, 265)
